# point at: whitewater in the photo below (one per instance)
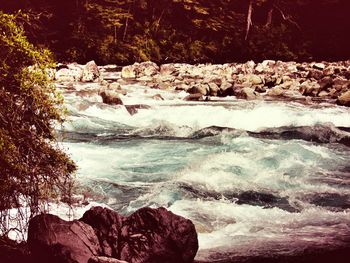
(256, 178)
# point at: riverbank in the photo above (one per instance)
(268, 80)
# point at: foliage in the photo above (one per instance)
(125, 31)
(33, 168)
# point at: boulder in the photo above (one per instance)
(276, 91)
(325, 82)
(110, 97)
(129, 72)
(344, 99)
(319, 66)
(70, 73)
(133, 109)
(90, 72)
(315, 74)
(226, 89)
(167, 69)
(199, 88)
(157, 236)
(106, 224)
(194, 97)
(51, 239)
(213, 89)
(246, 93)
(148, 69)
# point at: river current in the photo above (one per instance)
(255, 177)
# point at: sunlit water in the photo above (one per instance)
(247, 195)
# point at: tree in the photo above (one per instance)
(34, 169)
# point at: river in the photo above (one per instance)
(255, 177)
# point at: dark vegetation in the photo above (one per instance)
(125, 31)
(33, 169)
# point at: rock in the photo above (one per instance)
(90, 72)
(340, 83)
(157, 97)
(310, 89)
(260, 89)
(323, 94)
(117, 87)
(158, 236)
(255, 79)
(344, 99)
(226, 89)
(167, 69)
(148, 68)
(105, 260)
(147, 236)
(315, 73)
(199, 88)
(246, 93)
(194, 97)
(129, 72)
(51, 239)
(213, 89)
(71, 73)
(276, 91)
(110, 97)
(133, 109)
(106, 224)
(325, 83)
(319, 66)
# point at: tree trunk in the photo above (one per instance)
(271, 6)
(249, 18)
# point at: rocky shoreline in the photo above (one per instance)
(104, 236)
(268, 80)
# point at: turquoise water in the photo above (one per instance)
(247, 195)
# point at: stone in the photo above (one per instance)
(226, 89)
(167, 69)
(323, 94)
(276, 91)
(325, 82)
(72, 73)
(148, 69)
(315, 74)
(260, 89)
(157, 97)
(51, 239)
(157, 236)
(213, 89)
(199, 88)
(255, 79)
(129, 72)
(110, 97)
(319, 66)
(133, 109)
(194, 97)
(344, 99)
(90, 72)
(246, 93)
(106, 224)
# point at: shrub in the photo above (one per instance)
(33, 169)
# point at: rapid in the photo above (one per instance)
(256, 177)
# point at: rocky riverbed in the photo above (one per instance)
(268, 80)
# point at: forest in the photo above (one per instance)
(192, 31)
